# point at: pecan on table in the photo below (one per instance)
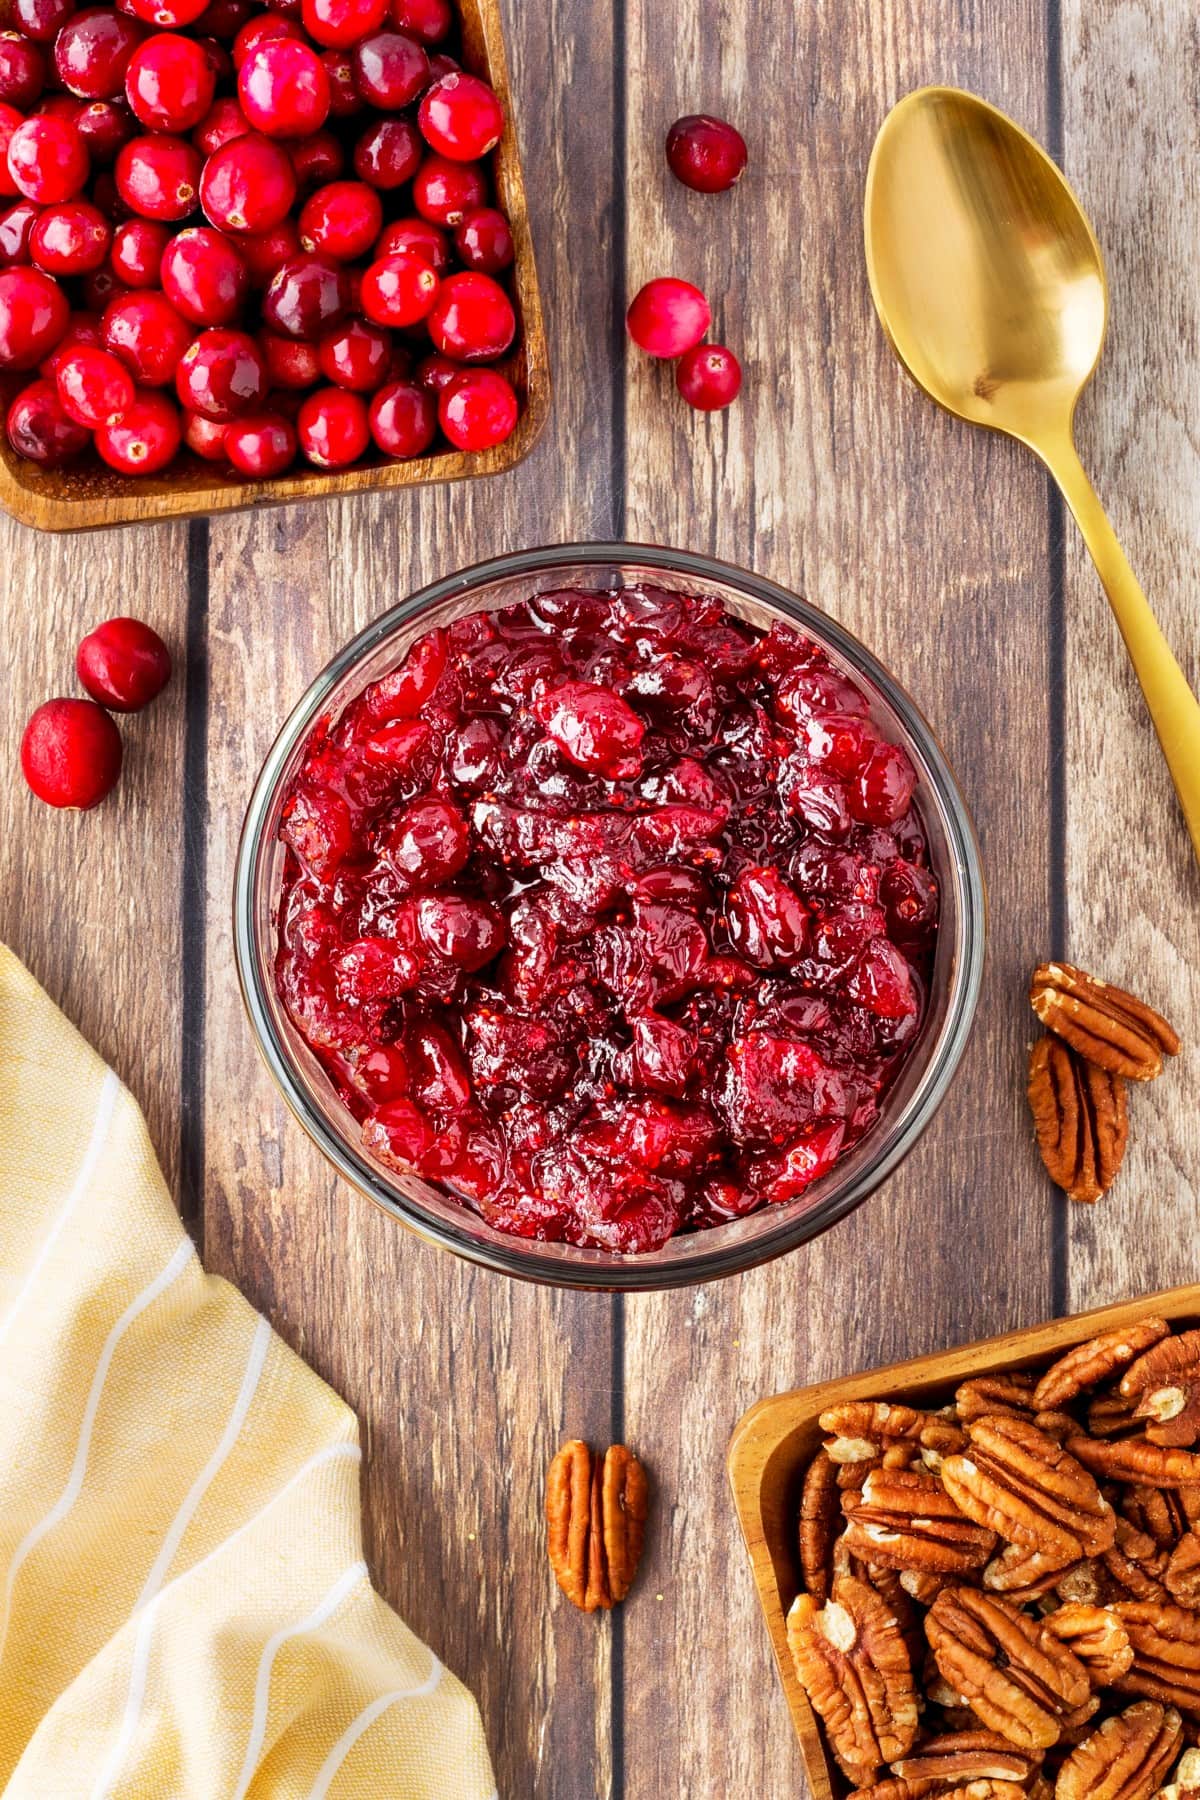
(1125, 1758)
(1097, 1637)
(1107, 1026)
(1137, 1461)
(595, 1523)
(1087, 1365)
(1029, 1490)
(1018, 1679)
(1182, 1576)
(852, 1662)
(1164, 1385)
(963, 1756)
(820, 1517)
(1166, 1653)
(1080, 1119)
(904, 1519)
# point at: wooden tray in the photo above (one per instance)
(773, 1443)
(94, 495)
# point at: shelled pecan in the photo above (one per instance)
(820, 1515)
(1030, 1491)
(905, 1519)
(1097, 1637)
(1164, 1385)
(1015, 1676)
(1137, 1461)
(595, 1523)
(852, 1661)
(1100, 1359)
(1080, 1119)
(961, 1756)
(1182, 1575)
(1166, 1653)
(1125, 1758)
(1107, 1026)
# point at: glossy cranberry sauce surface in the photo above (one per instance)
(608, 913)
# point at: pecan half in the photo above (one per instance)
(1110, 1416)
(1080, 1119)
(1028, 1489)
(1106, 1025)
(820, 1516)
(852, 1662)
(1136, 1566)
(899, 1789)
(1166, 1514)
(1087, 1365)
(1125, 1758)
(1165, 1386)
(1137, 1461)
(1185, 1784)
(1008, 1396)
(904, 1519)
(1097, 1637)
(595, 1523)
(958, 1756)
(1017, 1678)
(1182, 1575)
(1166, 1653)
(863, 1430)
(1023, 1574)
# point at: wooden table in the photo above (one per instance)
(944, 550)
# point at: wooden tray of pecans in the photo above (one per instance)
(776, 1441)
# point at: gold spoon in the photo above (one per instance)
(990, 286)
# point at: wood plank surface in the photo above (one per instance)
(944, 550)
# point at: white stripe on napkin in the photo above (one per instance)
(364, 1722)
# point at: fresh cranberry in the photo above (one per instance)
(10, 119)
(478, 409)
(667, 316)
(340, 23)
(92, 52)
(167, 14)
(461, 118)
(223, 122)
(22, 71)
(71, 754)
(219, 57)
(261, 446)
(342, 220)
(82, 333)
(291, 363)
(225, 18)
(33, 316)
(709, 377)
(355, 355)
(147, 334)
(204, 437)
(261, 29)
(390, 69)
(484, 241)
(41, 19)
(306, 296)
(70, 238)
(93, 386)
(145, 438)
(317, 159)
(60, 106)
(104, 125)
(265, 252)
(16, 229)
(399, 290)
(123, 664)
(101, 288)
(472, 319)
(47, 159)
(41, 430)
(445, 192)
(706, 154)
(283, 88)
(428, 20)
(137, 251)
(169, 83)
(388, 153)
(333, 428)
(222, 374)
(417, 235)
(204, 277)
(344, 97)
(248, 184)
(159, 177)
(436, 372)
(403, 419)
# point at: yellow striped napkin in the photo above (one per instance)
(185, 1613)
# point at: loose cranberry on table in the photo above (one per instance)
(667, 316)
(594, 916)
(709, 377)
(71, 753)
(705, 153)
(123, 664)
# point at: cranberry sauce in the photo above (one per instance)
(608, 913)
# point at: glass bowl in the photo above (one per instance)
(697, 1256)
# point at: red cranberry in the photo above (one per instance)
(460, 117)
(22, 71)
(92, 385)
(222, 374)
(399, 290)
(71, 754)
(41, 430)
(137, 251)
(478, 409)
(41, 19)
(436, 372)
(291, 363)
(144, 439)
(417, 235)
(709, 377)
(223, 122)
(332, 428)
(248, 184)
(82, 333)
(340, 23)
(16, 229)
(204, 277)
(260, 30)
(484, 241)
(341, 220)
(60, 106)
(317, 159)
(445, 192)
(33, 316)
(47, 159)
(355, 356)
(104, 125)
(219, 58)
(428, 20)
(706, 154)
(169, 83)
(261, 446)
(204, 437)
(70, 238)
(344, 97)
(225, 18)
(390, 69)
(167, 14)
(441, 64)
(307, 295)
(148, 335)
(101, 288)
(264, 252)
(388, 153)
(159, 177)
(403, 419)
(284, 89)
(667, 316)
(123, 664)
(472, 318)
(10, 119)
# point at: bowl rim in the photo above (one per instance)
(599, 1270)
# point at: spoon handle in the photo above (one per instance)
(1173, 706)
